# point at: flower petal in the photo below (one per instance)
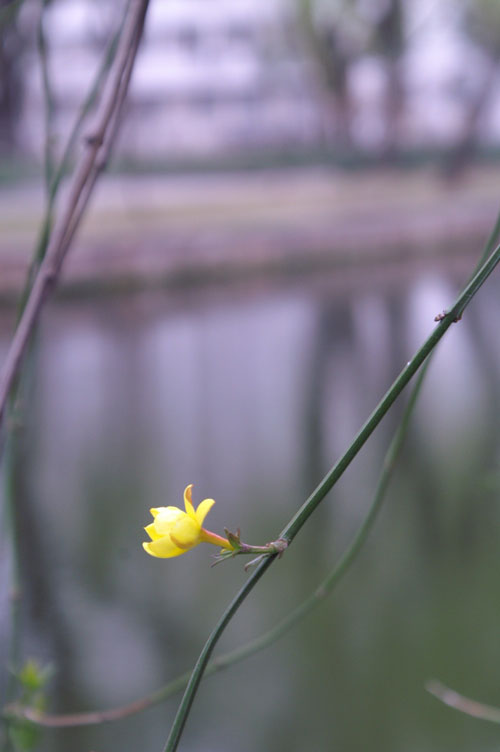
(163, 548)
(150, 529)
(166, 517)
(185, 532)
(203, 509)
(187, 501)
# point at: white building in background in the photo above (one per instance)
(221, 76)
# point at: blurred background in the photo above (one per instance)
(298, 188)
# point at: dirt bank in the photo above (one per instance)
(151, 229)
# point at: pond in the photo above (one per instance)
(251, 391)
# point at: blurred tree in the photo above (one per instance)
(389, 42)
(340, 32)
(333, 38)
(12, 43)
(480, 23)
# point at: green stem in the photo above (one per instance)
(14, 650)
(333, 578)
(199, 668)
(489, 245)
(303, 514)
(48, 99)
(297, 522)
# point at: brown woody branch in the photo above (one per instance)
(91, 163)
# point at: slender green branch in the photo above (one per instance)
(48, 98)
(14, 651)
(298, 521)
(445, 694)
(489, 246)
(201, 663)
(293, 527)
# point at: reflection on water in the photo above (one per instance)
(251, 394)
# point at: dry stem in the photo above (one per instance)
(92, 161)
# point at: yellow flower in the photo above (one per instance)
(173, 532)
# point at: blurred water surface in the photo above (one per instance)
(251, 392)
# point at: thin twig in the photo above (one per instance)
(63, 166)
(296, 523)
(463, 704)
(87, 105)
(107, 140)
(86, 172)
(48, 99)
(14, 648)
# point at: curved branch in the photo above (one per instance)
(463, 704)
(90, 165)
